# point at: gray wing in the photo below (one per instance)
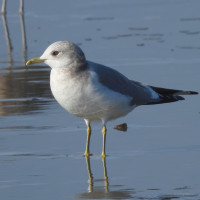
(141, 94)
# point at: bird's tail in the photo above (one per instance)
(170, 95)
(165, 91)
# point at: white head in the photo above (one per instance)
(61, 54)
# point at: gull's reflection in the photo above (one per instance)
(3, 7)
(22, 91)
(91, 180)
(104, 191)
(7, 33)
(8, 40)
(24, 44)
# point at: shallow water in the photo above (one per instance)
(41, 145)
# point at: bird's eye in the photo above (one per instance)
(55, 53)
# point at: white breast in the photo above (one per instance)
(88, 98)
(66, 90)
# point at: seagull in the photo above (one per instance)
(95, 92)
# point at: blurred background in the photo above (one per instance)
(41, 145)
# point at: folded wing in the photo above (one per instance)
(141, 94)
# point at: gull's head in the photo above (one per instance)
(60, 54)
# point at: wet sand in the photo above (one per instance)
(41, 145)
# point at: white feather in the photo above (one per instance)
(91, 101)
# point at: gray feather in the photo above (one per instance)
(141, 94)
(119, 83)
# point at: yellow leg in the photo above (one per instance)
(103, 155)
(87, 150)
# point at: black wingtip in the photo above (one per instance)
(193, 92)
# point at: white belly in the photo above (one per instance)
(88, 99)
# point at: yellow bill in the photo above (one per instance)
(35, 60)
